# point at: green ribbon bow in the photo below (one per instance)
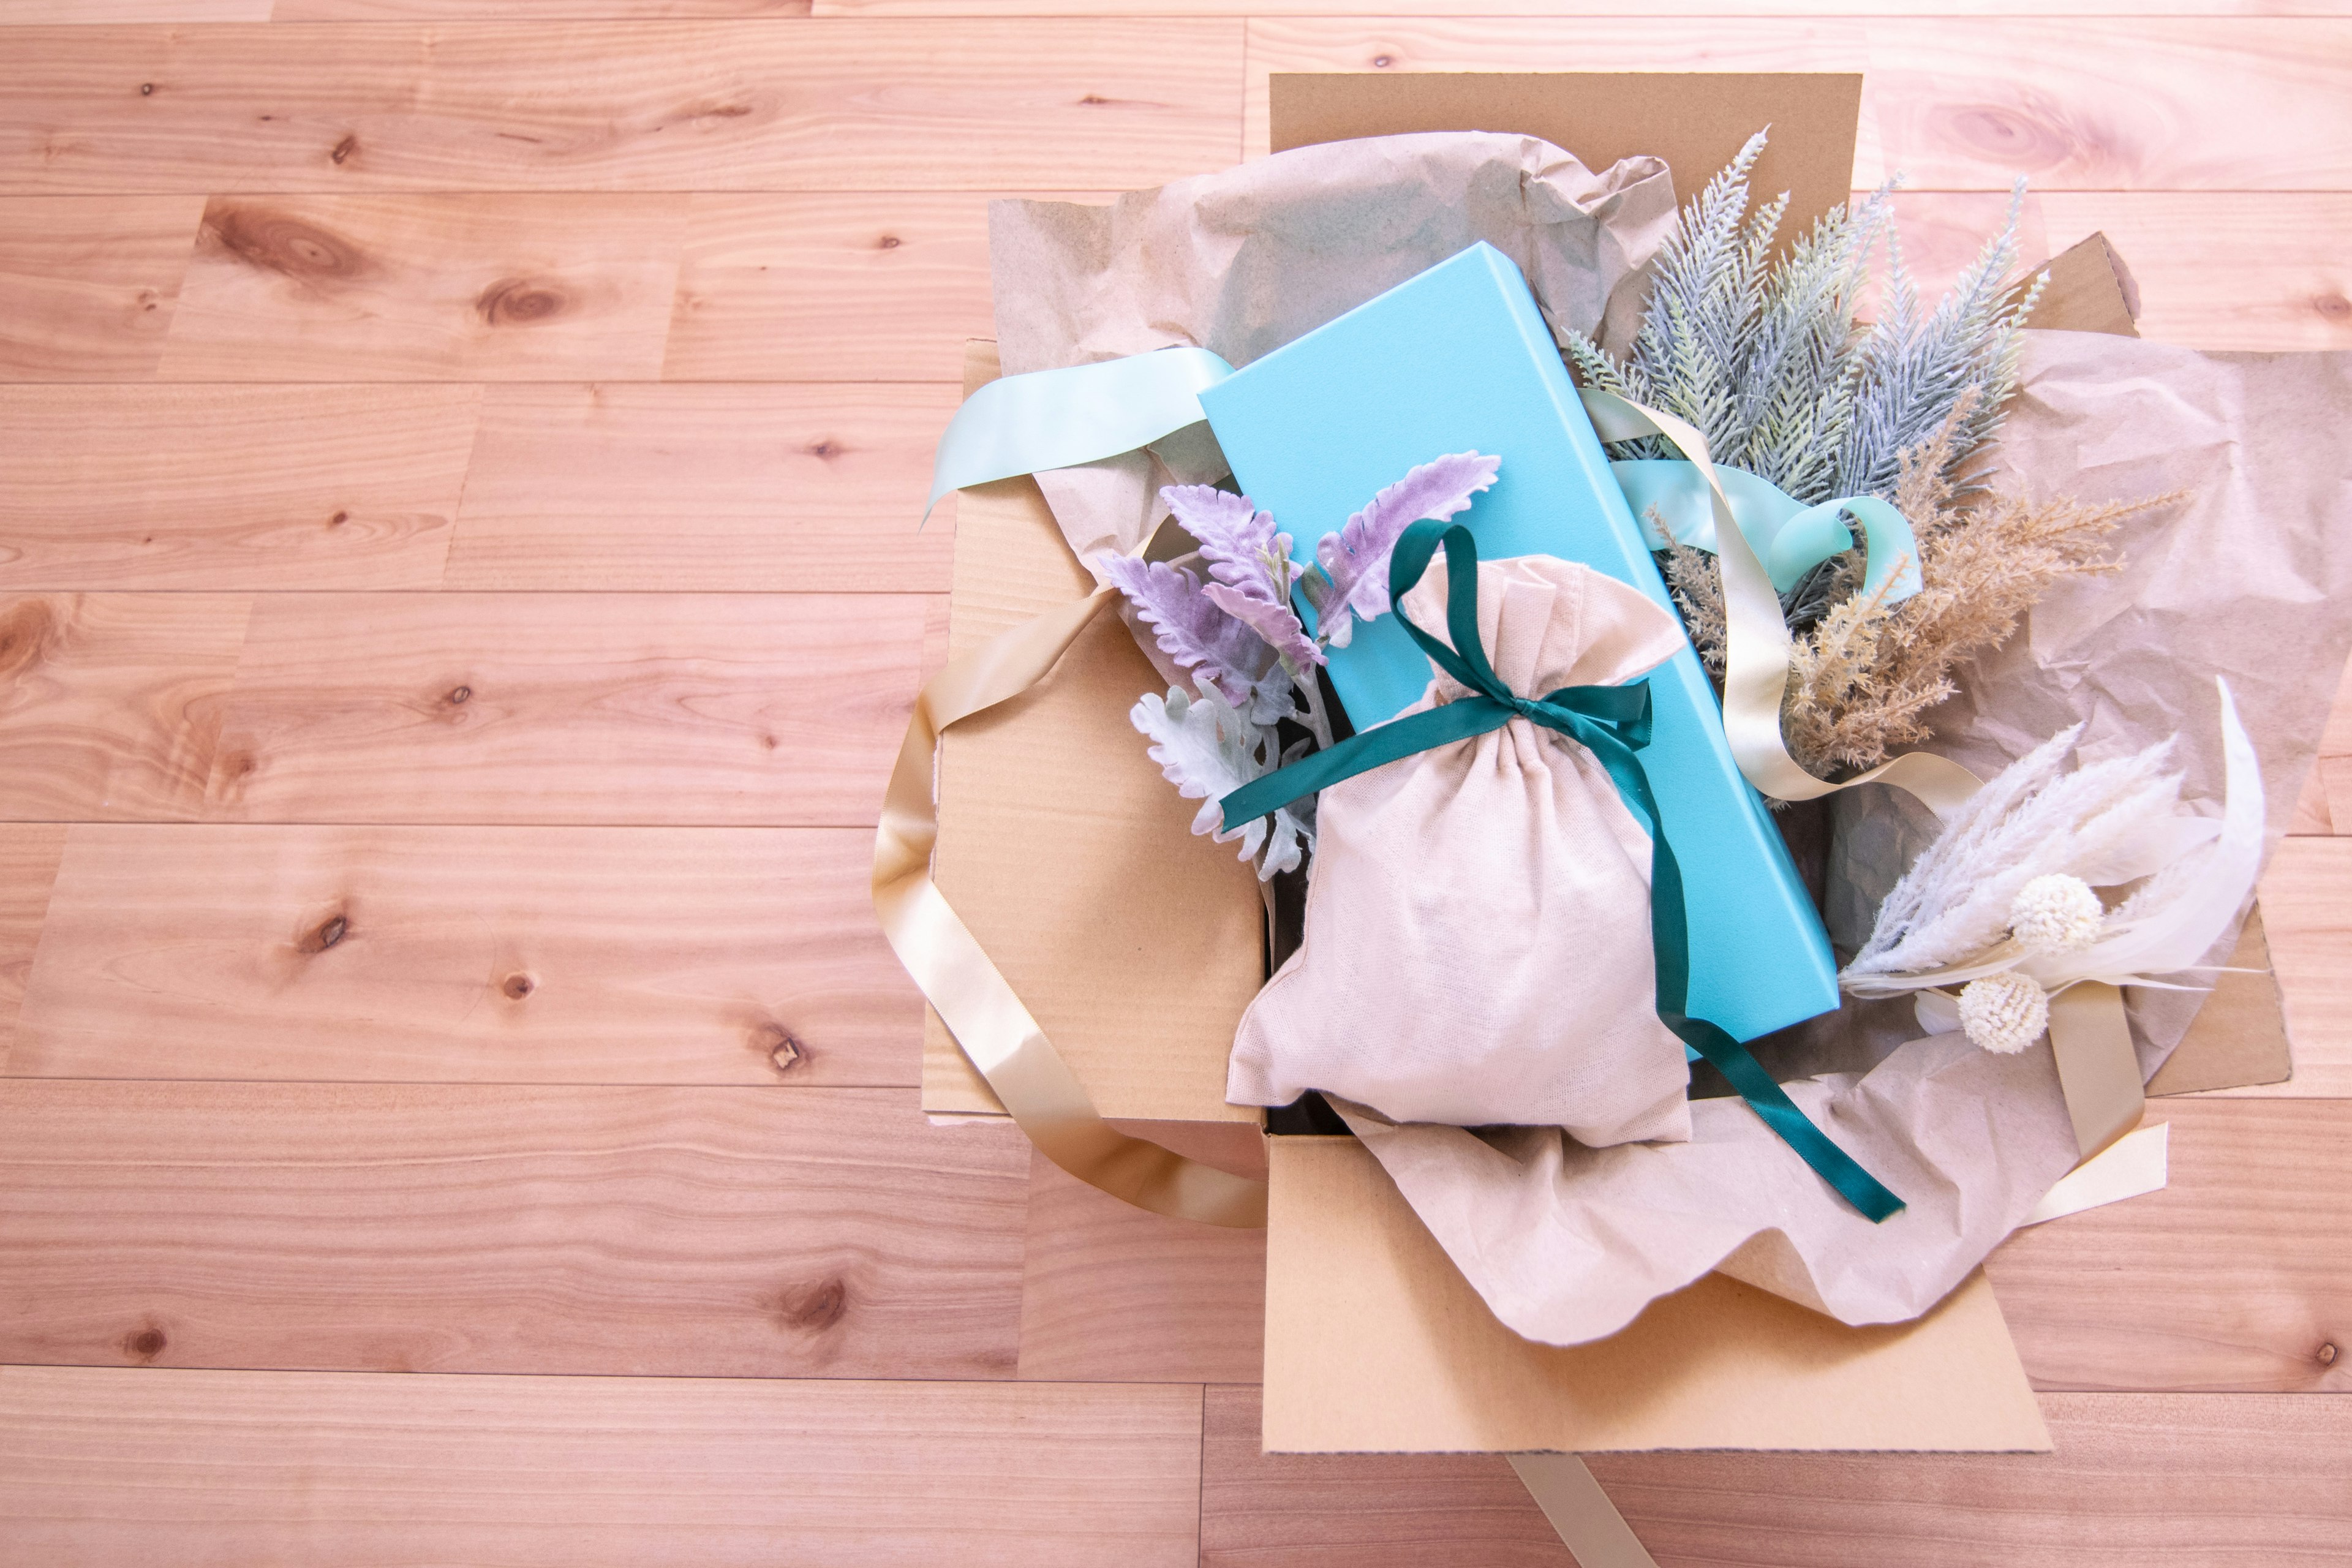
(1614, 723)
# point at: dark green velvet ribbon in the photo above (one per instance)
(1614, 723)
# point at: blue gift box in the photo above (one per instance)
(1458, 359)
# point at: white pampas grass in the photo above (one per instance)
(2005, 889)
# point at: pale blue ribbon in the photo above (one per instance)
(1059, 418)
(1790, 537)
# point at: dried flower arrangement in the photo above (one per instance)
(1768, 361)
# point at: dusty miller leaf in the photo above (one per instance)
(1208, 750)
(1355, 560)
(1192, 630)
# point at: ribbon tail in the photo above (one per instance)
(1588, 1523)
(987, 1019)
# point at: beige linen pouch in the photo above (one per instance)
(1477, 949)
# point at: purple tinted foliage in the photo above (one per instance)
(1272, 620)
(1237, 541)
(1193, 630)
(1356, 558)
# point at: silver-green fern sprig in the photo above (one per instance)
(1910, 373)
(1766, 360)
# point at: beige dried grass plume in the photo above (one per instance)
(1862, 678)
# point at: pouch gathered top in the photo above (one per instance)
(1477, 943)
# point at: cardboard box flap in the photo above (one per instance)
(1696, 121)
(1374, 1342)
(1134, 944)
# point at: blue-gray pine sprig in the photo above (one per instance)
(1767, 359)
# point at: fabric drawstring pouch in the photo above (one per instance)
(1477, 941)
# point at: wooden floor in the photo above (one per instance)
(459, 599)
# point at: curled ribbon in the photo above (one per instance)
(972, 994)
(1614, 723)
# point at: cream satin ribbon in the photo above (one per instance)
(1588, 1523)
(972, 994)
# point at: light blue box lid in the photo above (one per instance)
(1458, 359)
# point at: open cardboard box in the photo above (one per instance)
(1136, 945)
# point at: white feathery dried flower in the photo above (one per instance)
(1986, 900)
(2056, 913)
(2004, 1013)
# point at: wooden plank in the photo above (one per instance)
(2226, 1280)
(88, 12)
(230, 487)
(969, 8)
(723, 488)
(1359, 1510)
(110, 703)
(526, 10)
(467, 954)
(676, 1231)
(1110, 1292)
(2136, 1480)
(831, 286)
(2307, 914)
(645, 106)
(107, 1466)
(2076, 103)
(745, 709)
(395, 288)
(28, 867)
(88, 284)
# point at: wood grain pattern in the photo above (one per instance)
(88, 12)
(678, 1232)
(88, 284)
(28, 867)
(526, 10)
(831, 286)
(110, 703)
(375, 288)
(2222, 1280)
(107, 1466)
(1359, 1510)
(465, 955)
(2075, 103)
(645, 106)
(1109, 1293)
(230, 487)
(2136, 1480)
(1680, 8)
(740, 709)
(724, 488)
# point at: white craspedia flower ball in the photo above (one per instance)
(2056, 914)
(2004, 1013)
